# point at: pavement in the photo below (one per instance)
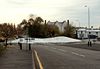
(14, 58)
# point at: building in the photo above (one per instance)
(84, 33)
(60, 25)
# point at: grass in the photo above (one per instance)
(2, 49)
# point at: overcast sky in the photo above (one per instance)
(14, 11)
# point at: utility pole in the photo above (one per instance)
(88, 16)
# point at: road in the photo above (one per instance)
(65, 57)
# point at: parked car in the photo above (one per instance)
(93, 38)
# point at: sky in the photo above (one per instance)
(14, 11)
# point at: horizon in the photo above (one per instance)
(13, 11)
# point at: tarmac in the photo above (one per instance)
(84, 45)
(14, 58)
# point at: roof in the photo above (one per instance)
(89, 30)
(56, 22)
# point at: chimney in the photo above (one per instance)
(45, 21)
(68, 22)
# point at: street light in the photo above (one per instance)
(88, 16)
(89, 42)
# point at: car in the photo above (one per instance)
(92, 36)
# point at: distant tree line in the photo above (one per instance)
(39, 28)
(7, 30)
(69, 31)
(35, 27)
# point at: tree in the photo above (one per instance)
(7, 31)
(19, 30)
(34, 29)
(38, 20)
(53, 30)
(69, 30)
(23, 24)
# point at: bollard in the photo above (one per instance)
(90, 43)
(29, 46)
(20, 45)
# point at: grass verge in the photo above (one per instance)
(2, 49)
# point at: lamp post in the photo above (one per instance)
(88, 16)
(89, 42)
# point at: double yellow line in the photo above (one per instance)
(38, 60)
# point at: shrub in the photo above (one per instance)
(1, 49)
(69, 30)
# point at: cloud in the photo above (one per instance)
(52, 9)
(17, 2)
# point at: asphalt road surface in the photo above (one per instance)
(65, 57)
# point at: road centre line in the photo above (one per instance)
(37, 57)
(78, 54)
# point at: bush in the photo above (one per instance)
(1, 49)
(69, 31)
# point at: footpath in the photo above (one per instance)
(14, 58)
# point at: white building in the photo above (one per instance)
(83, 33)
(60, 25)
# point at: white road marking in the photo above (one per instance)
(59, 49)
(62, 50)
(53, 47)
(82, 55)
(66, 51)
(78, 54)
